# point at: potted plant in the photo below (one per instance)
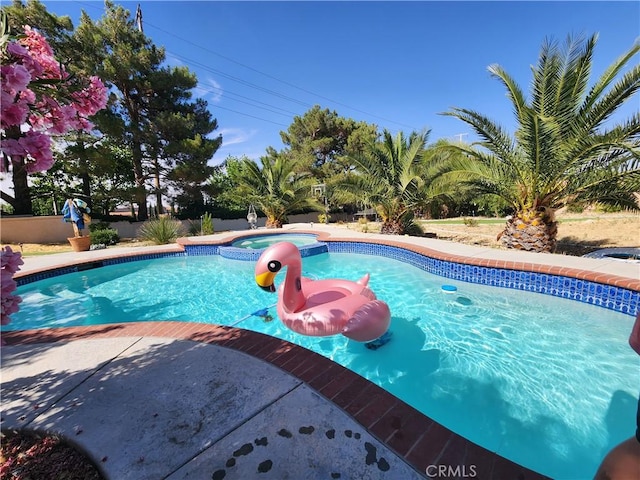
(76, 212)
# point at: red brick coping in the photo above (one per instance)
(418, 439)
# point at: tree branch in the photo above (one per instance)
(8, 198)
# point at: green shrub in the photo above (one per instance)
(363, 223)
(575, 208)
(106, 236)
(207, 224)
(204, 226)
(324, 218)
(98, 225)
(410, 226)
(470, 222)
(602, 208)
(193, 228)
(161, 231)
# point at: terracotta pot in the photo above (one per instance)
(80, 244)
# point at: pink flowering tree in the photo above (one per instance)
(10, 262)
(39, 100)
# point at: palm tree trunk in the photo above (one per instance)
(273, 222)
(531, 230)
(391, 227)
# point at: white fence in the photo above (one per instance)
(52, 229)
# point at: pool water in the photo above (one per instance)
(264, 241)
(547, 382)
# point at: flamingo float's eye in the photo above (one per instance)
(274, 266)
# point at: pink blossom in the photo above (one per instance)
(28, 96)
(38, 146)
(42, 162)
(10, 260)
(8, 283)
(17, 50)
(8, 306)
(13, 114)
(41, 52)
(12, 148)
(15, 77)
(91, 99)
(21, 56)
(65, 106)
(36, 43)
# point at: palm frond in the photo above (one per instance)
(493, 137)
(546, 79)
(607, 77)
(514, 92)
(603, 107)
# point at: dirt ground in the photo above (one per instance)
(33, 249)
(578, 234)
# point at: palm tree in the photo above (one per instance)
(563, 151)
(277, 187)
(390, 176)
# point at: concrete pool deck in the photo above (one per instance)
(185, 400)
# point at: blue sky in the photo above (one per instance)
(395, 64)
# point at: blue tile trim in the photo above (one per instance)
(91, 265)
(607, 296)
(191, 250)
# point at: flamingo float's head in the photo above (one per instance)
(272, 260)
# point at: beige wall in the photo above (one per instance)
(52, 229)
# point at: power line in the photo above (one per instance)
(252, 102)
(244, 82)
(252, 116)
(249, 84)
(277, 79)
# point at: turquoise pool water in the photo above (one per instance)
(264, 241)
(546, 382)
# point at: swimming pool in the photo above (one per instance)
(263, 241)
(550, 382)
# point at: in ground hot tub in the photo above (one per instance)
(263, 241)
(251, 247)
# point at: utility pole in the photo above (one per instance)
(139, 18)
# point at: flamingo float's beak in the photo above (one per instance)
(265, 281)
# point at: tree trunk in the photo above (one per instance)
(533, 231)
(141, 191)
(21, 193)
(156, 180)
(391, 228)
(273, 223)
(84, 173)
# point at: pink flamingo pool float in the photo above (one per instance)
(321, 307)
